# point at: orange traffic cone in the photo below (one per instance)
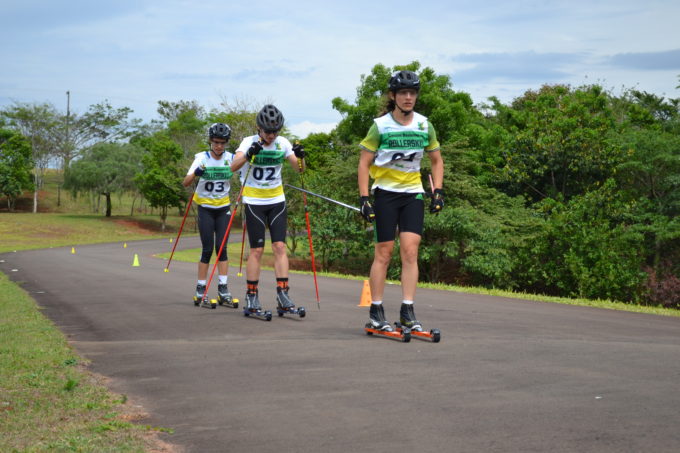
(365, 295)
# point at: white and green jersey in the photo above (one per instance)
(398, 151)
(264, 185)
(213, 187)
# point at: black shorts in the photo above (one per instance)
(260, 217)
(397, 209)
(212, 226)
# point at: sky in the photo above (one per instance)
(299, 55)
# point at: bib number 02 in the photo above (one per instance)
(264, 173)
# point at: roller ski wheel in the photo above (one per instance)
(212, 303)
(399, 334)
(266, 314)
(434, 334)
(300, 311)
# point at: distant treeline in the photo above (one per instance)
(566, 191)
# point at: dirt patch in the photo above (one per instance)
(139, 226)
(133, 411)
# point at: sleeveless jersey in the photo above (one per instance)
(264, 185)
(212, 190)
(398, 151)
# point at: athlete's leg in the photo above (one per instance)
(386, 215)
(411, 218)
(278, 225)
(221, 222)
(255, 226)
(408, 247)
(280, 259)
(206, 229)
(381, 261)
(253, 263)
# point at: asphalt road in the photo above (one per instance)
(508, 375)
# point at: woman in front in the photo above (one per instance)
(391, 155)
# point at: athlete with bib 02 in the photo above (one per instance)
(391, 154)
(264, 201)
(212, 168)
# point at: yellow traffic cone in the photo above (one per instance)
(135, 262)
(365, 295)
(73, 250)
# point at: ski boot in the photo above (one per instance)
(285, 305)
(378, 325)
(254, 308)
(200, 299)
(224, 296)
(407, 319)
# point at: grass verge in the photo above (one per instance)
(48, 401)
(234, 250)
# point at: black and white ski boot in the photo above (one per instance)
(378, 325)
(201, 299)
(254, 308)
(285, 305)
(224, 296)
(407, 321)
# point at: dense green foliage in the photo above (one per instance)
(15, 166)
(566, 191)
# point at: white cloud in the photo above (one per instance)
(303, 129)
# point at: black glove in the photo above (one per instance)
(437, 202)
(254, 149)
(299, 151)
(199, 171)
(366, 209)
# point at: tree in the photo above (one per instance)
(450, 112)
(100, 123)
(39, 124)
(559, 142)
(160, 179)
(15, 166)
(104, 169)
(186, 124)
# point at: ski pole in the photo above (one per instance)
(167, 266)
(243, 243)
(309, 235)
(226, 233)
(340, 203)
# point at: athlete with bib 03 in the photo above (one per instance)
(212, 168)
(264, 201)
(391, 154)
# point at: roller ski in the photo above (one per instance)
(253, 308)
(407, 320)
(284, 305)
(201, 300)
(377, 325)
(224, 296)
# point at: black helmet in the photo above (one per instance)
(404, 79)
(219, 130)
(270, 118)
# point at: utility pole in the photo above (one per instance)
(66, 141)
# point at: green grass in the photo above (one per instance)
(234, 252)
(48, 401)
(24, 231)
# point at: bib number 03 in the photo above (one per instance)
(211, 186)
